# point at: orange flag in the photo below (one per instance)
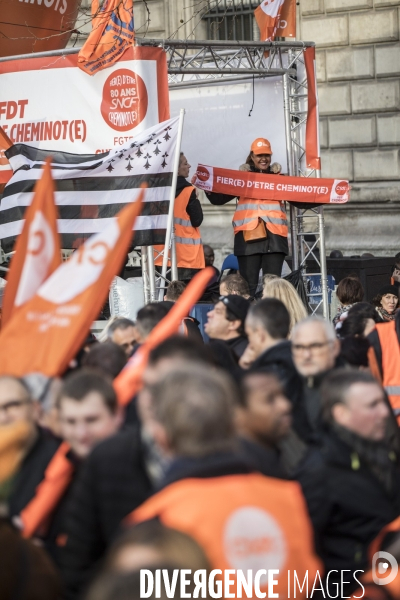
(276, 18)
(128, 382)
(112, 33)
(37, 251)
(47, 331)
(57, 478)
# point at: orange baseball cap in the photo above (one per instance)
(261, 146)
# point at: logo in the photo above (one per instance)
(272, 7)
(253, 539)
(203, 174)
(259, 144)
(384, 568)
(125, 100)
(342, 188)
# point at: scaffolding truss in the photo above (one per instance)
(194, 63)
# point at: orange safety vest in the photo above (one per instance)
(188, 244)
(57, 478)
(242, 522)
(249, 210)
(390, 361)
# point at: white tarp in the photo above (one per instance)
(218, 130)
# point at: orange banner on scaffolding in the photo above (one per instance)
(276, 18)
(272, 187)
(112, 33)
(313, 159)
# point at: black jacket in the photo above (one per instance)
(353, 507)
(265, 460)
(238, 345)
(213, 465)
(193, 208)
(32, 471)
(112, 482)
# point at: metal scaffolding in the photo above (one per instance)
(194, 63)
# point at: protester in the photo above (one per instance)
(315, 349)
(88, 413)
(123, 333)
(44, 390)
(226, 322)
(384, 359)
(174, 290)
(16, 404)
(108, 358)
(152, 542)
(193, 414)
(234, 284)
(188, 216)
(267, 328)
(148, 317)
(349, 292)
(26, 572)
(359, 481)
(119, 474)
(387, 302)
(263, 419)
(191, 325)
(286, 293)
(361, 320)
(395, 274)
(209, 258)
(260, 226)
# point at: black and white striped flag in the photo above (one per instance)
(91, 189)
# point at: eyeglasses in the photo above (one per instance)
(298, 348)
(12, 405)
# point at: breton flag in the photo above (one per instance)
(37, 251)
(276, 18)
(92, 189)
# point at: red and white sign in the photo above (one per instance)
(50, 103)
(272, 187)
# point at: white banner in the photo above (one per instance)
(50, 103)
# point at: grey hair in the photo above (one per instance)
(327, 325)
(196, 408)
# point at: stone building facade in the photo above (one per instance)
(358, 68)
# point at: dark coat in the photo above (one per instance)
(26, 572)
(265, 460)
(353, 507)
(238, 345)
(32, 471)
(112, 482)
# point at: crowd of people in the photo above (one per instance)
(279, 416)
(267, 439)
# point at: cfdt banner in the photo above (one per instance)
(51, 103)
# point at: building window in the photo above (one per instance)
(231, 20)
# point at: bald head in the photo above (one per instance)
(314, 346)
(16, 403)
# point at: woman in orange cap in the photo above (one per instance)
(260, 226)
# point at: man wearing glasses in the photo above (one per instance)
(226, 322)
(315, 349)
(16, 404)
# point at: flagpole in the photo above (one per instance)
(170, 222)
